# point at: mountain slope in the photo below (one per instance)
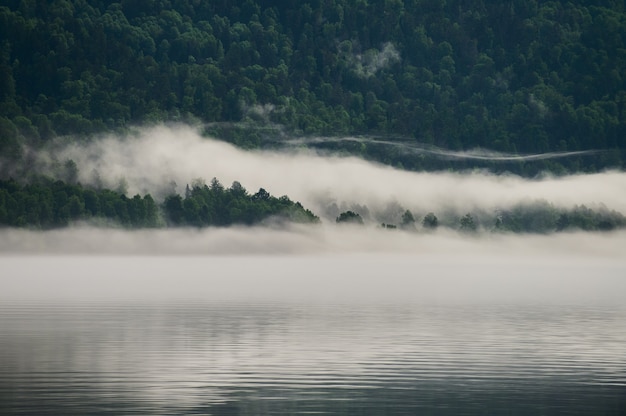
(513, 76)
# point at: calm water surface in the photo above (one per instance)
(357, 335)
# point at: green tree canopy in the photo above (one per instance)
(349, 217)
(512, 77)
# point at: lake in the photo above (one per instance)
(343, 334)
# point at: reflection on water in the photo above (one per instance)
(271, 355)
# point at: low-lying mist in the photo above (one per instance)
(347, 258)
(314, 240)
(311, 263)
(164, 159)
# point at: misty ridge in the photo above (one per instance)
(399, 118)
(529, 78)
(175, 176)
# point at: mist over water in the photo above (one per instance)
(313, 240)
(449, 334)
(326, 318)
(162, 160)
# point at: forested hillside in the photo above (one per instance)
(516, 76)
(46, 204)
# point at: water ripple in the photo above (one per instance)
(225, 358)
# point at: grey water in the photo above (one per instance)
(319, 334)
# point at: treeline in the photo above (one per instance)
(45, 204)
(538, 217)
(513, 76)
(542, 217)
(216, 206)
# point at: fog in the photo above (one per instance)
(165, 159)
(162, 160)
(416, 148)
(314, 239)
(334, 264)
(184, 318)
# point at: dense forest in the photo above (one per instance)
(517, 76)
(46, 204)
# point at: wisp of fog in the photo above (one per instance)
(417, 148)
(164, 159)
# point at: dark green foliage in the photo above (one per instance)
(45, 204)
(49, 204)
(510, 76)
(216, 206)
(536, 217)
(467, 223)
(543, 217)
(430, 221)
(408, 221)
(349, 217)
(407, 218)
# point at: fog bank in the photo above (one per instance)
(161, 160)
(313, 240)
(310, 264)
